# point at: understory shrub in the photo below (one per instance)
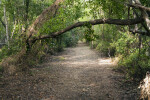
(136, 64)
(106, 48)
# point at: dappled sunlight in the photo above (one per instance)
(75, 63)
(77, 57)
(84, 63)
(88, 62)
(104, 61)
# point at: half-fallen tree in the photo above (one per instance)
(47, 14)
(51, 11)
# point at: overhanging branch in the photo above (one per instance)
(138, 6)
(92, 22)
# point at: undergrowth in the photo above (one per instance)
(16, 60)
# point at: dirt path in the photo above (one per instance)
(76, 74)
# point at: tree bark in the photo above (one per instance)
(43, 17)
(47, 14)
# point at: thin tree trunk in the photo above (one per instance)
(14, 22)
(6, 23)
(103, 37)
(26, 14)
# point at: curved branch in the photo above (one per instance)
(92, 22)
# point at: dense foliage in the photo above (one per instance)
(18, 24)
(117, 41)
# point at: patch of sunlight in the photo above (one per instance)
(104, 61)
(76, 57)
(75, 63)
(61, 58)
(82, 62)
(85, 63)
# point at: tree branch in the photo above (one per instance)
(92, 22)
(3, 23)
(145, 27)
(139, 6)
(144, 14)
(140, 32)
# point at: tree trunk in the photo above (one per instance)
(6, 23)
(14, 27)
(47, 14)
(26, 14)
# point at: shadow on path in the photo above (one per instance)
(78, 73)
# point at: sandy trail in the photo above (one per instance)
(78, 73)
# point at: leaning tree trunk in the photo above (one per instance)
(47, 14)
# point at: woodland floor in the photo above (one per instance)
(77, 73)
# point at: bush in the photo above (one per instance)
(136, 64)
(106, 48)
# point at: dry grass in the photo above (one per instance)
(13, 64)
(21, 62)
